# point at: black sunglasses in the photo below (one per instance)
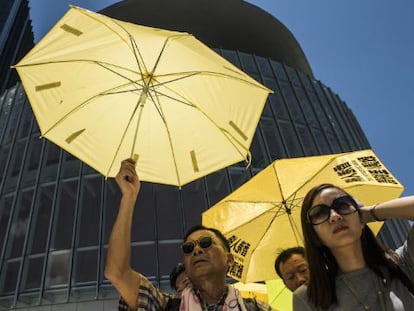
(204, 242)
(320, 213)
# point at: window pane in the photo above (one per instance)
(41, 220)
(86, 263)
(194, 200)
(19, 225)
(143, 228)
(32, 162)
(9, 276)
(65, 212)
(90, 212)
(218, 186)
(32, 273)
(58, 268)
(167, 205)
(5, 211)
(50, 163)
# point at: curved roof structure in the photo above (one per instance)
(227, 24)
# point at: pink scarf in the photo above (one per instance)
(191, 302)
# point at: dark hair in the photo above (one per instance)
(285, 255)
(323, 268)
(175, 272)
(216, 232)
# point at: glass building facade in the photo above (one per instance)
(56, 213)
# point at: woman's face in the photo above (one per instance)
(339, 230)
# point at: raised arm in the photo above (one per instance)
(402, 208)
(118, 269)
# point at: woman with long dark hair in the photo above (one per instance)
(349, 269)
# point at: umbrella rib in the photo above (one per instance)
(124, 134)
(157, 104)
(226, 133)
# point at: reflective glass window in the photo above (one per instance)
(273, 138)
(279, 70)
(292, 103)
(293, 77)
(143, 228)
(41, 220)
(218, 186)
(64, 216)
(248, 64)
(32, 162)
(11, 112)
(264, 67)
(70, 166)
(4, 153)
(50, 162)
(16, 163)
(258, 151)
(238, 176)
(307, 141)
(8, 277)
(139, 259)
(86, 263)
(6, 203)
(167, 204)
(90, 211)
(174, 255)
(19, 225)
(58, 268)
(112, 199)
(194, 203)
(32, 273)
(291, 140)
(26, 121)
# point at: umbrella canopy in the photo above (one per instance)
(263, 215)
(252, 290)
(105, 90)
(274, 292)
(278, 295)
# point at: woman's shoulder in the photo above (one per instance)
(300, 299)
(301, 293)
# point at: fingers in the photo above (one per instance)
(127, 171)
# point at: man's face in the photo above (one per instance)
(211, 261)
(295, 272)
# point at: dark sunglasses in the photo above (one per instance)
(320, 213)
(204, 242)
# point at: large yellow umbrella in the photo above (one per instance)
(263, 215)
(278, 295)
(273, 292)
(252, 290)
(105, 90)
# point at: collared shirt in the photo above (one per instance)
(150, 298)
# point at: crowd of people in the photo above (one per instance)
(342, 266)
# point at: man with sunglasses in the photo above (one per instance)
(206, 257)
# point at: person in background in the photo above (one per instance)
(178, 278)
(292, 267)
(206, 257)
(349, 269)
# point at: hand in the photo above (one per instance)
(127, 179)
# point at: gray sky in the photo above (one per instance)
(362, 50)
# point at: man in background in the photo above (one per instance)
(292, 267)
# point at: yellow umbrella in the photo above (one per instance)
(272, 292)
(105, 90)
(252, 290)
(279, 296)
(263, 215)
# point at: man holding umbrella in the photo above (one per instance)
(206, 256)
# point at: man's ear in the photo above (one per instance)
(230, 259)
